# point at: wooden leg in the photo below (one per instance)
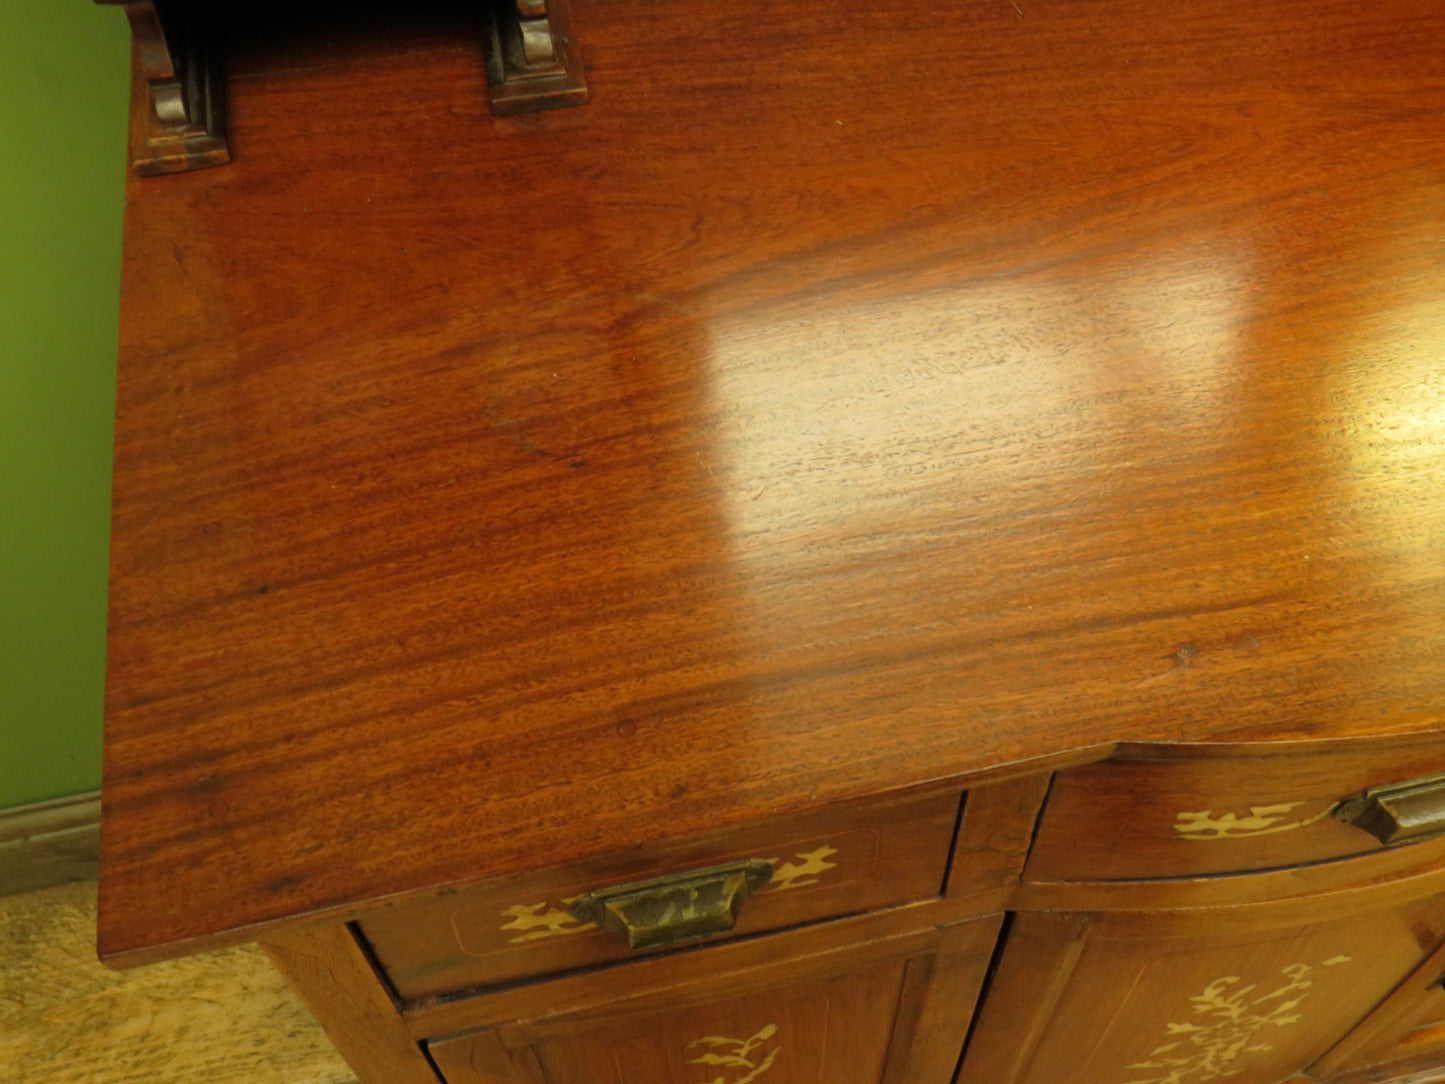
(334, 978)
(995, 833)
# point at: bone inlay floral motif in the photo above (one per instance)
(1227, 1024)
(537, 920)
(805, 872)
(740, 1061)
(1262, 820)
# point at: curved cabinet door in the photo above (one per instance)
(1405, 1034)
(1251, 994)
(882, 1013)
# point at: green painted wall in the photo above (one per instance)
(63, 88)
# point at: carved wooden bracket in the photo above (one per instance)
(533, 62)
(178, 111)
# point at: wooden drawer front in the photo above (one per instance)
(824, 866)
(1138, 818)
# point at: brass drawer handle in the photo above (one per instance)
(676, 908)
(1399, 812)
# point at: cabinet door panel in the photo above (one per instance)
(869, 1018)
(1251, 994)
(834, 1030)
(1407, 1027)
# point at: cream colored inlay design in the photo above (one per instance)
(1228, 1020)
(798, 874)
(538, 920)
(736, 1055)
(1262, 820)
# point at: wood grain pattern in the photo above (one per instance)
(816, 413)
(994, 835)
(222, 1018)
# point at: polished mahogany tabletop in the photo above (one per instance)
(852, 396)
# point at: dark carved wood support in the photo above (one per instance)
(533, 63)
(178, 112)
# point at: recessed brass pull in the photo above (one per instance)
(676, 908)
(1399, 812)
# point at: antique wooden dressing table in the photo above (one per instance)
(892, 545)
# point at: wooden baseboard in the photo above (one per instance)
(50, 843)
